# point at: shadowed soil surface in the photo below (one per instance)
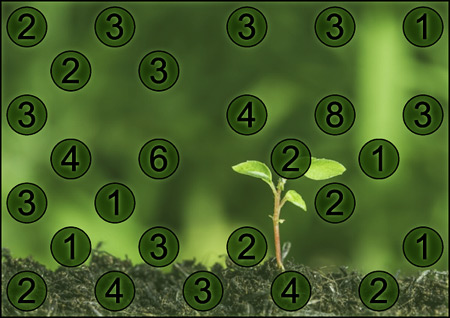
(246, 290)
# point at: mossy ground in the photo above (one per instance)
(246, 290)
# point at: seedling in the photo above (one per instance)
(320, 169)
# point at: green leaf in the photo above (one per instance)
(322, 169)
(254, 169)
(295, 198)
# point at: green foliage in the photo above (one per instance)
(295, 198)
(254, 169)
(322, 169)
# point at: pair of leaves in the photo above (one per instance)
(320, 169)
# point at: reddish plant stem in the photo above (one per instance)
(276, 228)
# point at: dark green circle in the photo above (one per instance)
(413, 246)
(28, 23)
(26, 114)
(370, 162)
(159, 246)
(330, 195)
(290, 290)
(114, 290)
(26, 290)
(247, 26)
(160, 148)
(282, 162)
(112, 206)
(62, 243)
(114, 26)
(335, 26)
(247, 246)
(324, 117)
(82, 156)
(202, 290)
(429, 21)
(423, 115)
(70, 71)
(378, 290)
(26, 202)
(162, 74)
(239, 111)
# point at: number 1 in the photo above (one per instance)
(423, 239)
(423, 19)
(379, 151)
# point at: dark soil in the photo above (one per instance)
(246, 290)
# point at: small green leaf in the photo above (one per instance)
(295, 198)
(254, 169)
(322, 169)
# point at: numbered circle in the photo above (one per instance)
(26, 114)
(335, 27)
(26, 291)
(247, 27)
(423, 246)
(114, 202)
(70, 158)
(159, 158)
(423, 115)
(26, 203)
(70, 71)
(335, 202)
(159, 246)
(159, 71)
(202, 290)
(114, 290)
(70, 246)
(247, 114)
(290, 158)
(26, 27)
(378, 290)
(247, 246)
(290, 290)
(114, 26)
(423, 26)
(379, 159)
(335, 115)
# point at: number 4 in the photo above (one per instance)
(249, 119)
(74, 163)
(293, 286)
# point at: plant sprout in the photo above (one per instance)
(320, 169)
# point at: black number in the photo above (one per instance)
(22, 299)
(249, 119)
(160, 69)
(153, 158)
(423, 19)
(22, 35)
(29, 113)
(296, 153)
(293, 295)
(71, 240)
(374, 299)
(423, 239)
(203, 289)
(424, 113)
(249, 247)
(332, 113)
(160, 245)
(379, 151)
(337, 25)
(115, 195)
(117, 295)
(341, 196)
(248, 25)
(28, 201)
(115, 25)
(76, 65)
(74, 163)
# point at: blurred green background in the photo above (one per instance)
(205, 201)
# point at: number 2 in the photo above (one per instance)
(76, 65)
(248, 248)
(341, 196)
(296, 153)
(22, 299)
(374, 299)
(22, 35)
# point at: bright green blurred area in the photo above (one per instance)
(205, 201)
